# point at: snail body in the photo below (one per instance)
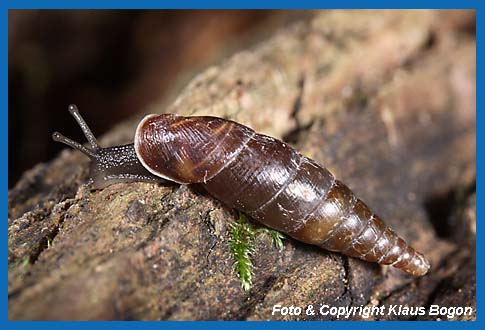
(267, 179)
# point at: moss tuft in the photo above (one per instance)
(241, 245)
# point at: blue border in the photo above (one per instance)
(479, 139)
(5, 5)
(240, 4)
(4, 163)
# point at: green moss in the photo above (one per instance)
(241, 244)
(21, 263)
(275, 235)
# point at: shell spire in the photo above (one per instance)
(358, 233)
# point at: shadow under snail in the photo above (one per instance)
(254, 173)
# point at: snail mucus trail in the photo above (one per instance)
(254, 173)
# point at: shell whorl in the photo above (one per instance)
(188, 149)
(343, 223)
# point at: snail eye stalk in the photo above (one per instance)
(108, 165)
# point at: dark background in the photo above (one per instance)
(112, 64)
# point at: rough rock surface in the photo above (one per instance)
(384, 99)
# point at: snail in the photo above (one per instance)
(254, 173)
